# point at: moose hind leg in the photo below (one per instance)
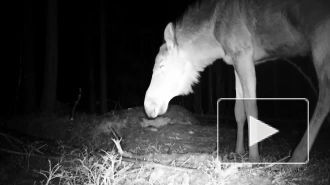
(321, 58)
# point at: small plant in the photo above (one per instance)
(52, 173)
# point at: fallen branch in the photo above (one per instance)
(307, 78)
(27, 154)
(129, 157)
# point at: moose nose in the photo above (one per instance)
(151, 108)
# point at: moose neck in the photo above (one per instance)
(202, 49)
(195, 34)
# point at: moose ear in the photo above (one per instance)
(169, 36)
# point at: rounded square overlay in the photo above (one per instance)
(283, 113)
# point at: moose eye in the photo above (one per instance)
(160, 64)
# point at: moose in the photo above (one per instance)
(244, 33)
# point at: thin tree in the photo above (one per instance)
(210, 90)
(197, 98)
(103, 59)
(48, 100)
(28, 57)
(90, 51)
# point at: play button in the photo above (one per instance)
(259, 131)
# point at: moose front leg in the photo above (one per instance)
(245, 75)
(240, 116)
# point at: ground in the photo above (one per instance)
(176, 148)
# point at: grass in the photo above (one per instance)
(87, 166)
(107, 167)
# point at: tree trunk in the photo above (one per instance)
(103, 59)
(89, 49)
(231, 82)
(197, 97)
(92, 99)
(219, 83)
(231, 89)
(210, 90)
(275, 95)
(48, 101)
(29, 97)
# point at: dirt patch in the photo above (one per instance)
(177, 131)
(175, 148)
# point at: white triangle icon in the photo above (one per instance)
(259, 131)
